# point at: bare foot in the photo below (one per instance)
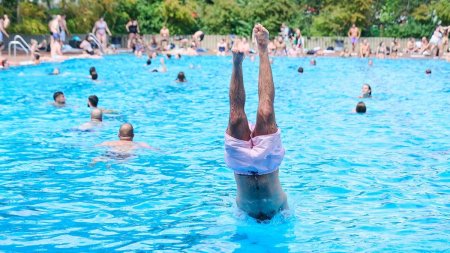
(262, 37)
(238, 52)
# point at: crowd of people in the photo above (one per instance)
(254, 152)
(288, 42)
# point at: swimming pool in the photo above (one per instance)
(375, 182)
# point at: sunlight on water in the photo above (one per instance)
(374, 182)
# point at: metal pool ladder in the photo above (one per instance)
(99, 45)
(18, 40)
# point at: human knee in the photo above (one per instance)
(266, 113)
(237, 119)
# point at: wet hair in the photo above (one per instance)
(149, 61)
(92, 70)
(370, 89)
(4, 62)
(37, 57)
(97, 114)
(93, 99)
(126, 131)
(361, 107)
(94, 76)
(169, 56)
(181, 77)
(428, 71)
(300, 70)
(57, 94)
(179, 56)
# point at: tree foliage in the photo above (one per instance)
(397, 18)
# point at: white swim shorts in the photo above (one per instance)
(258, 156)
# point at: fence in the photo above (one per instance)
(210, 41)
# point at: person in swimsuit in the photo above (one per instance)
(394, 48)
(222, 48)
(255, 153)
(364, 50)
(165, 36)
(436, 40)
(366, 91)
(138, 46)
(425, 47)
(125, 144)
(181, 78)
(354, 33)
(100, 29)
(410, 46)
(280, 46)
(197, 38)
(63, 29)
(55, 38)
(298, 41)
(86, 46)
(445, 44)
(360, 107)
(3, 24)
(132, 29)
(59, 99)
(96, 121)
(381, 50)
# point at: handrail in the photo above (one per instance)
(15, 43)
(20, 39)
(94, 38)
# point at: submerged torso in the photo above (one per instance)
(261, 196)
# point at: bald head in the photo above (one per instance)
(126, 132)
(96, 115)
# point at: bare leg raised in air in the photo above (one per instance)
(255, 153)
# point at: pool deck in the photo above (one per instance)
(21, 59)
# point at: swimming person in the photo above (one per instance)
(125, 142)
(366, 91)
(360, 107)
(93, 103)
(55, 72)
(255, 152)
(96, 120)
(181, 78)
(59, 99)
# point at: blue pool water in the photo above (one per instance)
(376, 182)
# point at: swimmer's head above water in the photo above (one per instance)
(94, 76)
(59, 98)
(361, 107)
(55, 72)
(96, 115)
(366, 91)
(300, 70)
(92, 70)
(126, 132)
(428, 71)
(181, 78)
(92, 101)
